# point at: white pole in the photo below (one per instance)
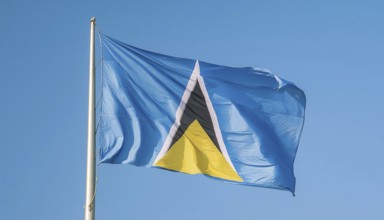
(91, 158)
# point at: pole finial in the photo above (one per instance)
(93, 19)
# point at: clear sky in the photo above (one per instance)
(333, 50)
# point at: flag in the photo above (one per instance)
(238, 125)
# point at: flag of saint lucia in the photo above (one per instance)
(240, 125)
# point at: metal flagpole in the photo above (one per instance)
(91, 158)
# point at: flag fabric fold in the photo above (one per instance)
(239, 125)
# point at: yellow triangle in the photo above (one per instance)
(195, 153)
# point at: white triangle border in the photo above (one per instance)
(195, 78)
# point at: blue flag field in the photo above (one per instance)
(238, 125)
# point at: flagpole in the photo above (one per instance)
(91, 158)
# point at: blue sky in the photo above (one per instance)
(333, 50)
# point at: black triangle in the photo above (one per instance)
(196, 109)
